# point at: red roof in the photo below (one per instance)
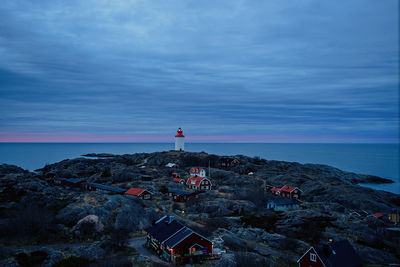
(195, 170)
(135, 191)
(180, 133)
(177, 180)
(276, 189)
(195, 180)
(287, 188)
(378, 215)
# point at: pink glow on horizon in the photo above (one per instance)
(152, 138)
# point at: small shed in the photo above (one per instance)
(72, 182)
(283, 204)
(179, 181)
(96, 186)
(50, 174)
(176, 175)
(139, 192)
(180, 195)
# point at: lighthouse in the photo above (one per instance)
(179, 141)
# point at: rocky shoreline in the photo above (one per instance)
(35, 212)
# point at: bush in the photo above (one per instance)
(34, 259)
(266, 222)
(106, 173)
(29, 221)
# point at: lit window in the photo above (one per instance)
(313, 257)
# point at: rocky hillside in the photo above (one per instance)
(38, 216)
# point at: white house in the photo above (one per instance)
(200, 172)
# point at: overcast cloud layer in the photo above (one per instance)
(230, 71)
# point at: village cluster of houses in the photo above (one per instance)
(134, 192)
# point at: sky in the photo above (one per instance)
(224, 71)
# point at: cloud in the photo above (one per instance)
(116, 68)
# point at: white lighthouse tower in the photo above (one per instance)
(179, 141)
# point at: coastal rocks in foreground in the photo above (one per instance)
(233, 214)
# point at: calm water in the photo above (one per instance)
(377, 159)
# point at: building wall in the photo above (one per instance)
(183, 247)
(306, 261)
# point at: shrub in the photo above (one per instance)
(33, 259)
(266, 222)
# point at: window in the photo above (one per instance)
(313, 257)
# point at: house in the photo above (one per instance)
(199, 183)
(276, 191)
(96, 186)
(180, 195)
(179, 181)
(176, 175)
(227, 163)
(242, 169)
(139, 192)
(50, 174)
(72, 182)
(286, 191)
(200, 172)
(394, 216)
(283, 204)
(171, 165)
(290, 192)
(176, 242)
(333, 254)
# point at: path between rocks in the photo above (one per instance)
(138, 242)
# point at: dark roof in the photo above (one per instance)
(73, 180)
(168, 231)
(106, 187)
(164, 229)
(284, 201)
(172, 232)
(180, 192)
(173, 241)
(339, 253)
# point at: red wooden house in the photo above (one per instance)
(290, 192)
(333, 254)
(197, 172)
(179, 181)
(177, 243)
(199, 183)
(139, 192)
(226, 163)
(176, 175)
(180, 195)
(286, 191)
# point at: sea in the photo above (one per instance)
(375, 159)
